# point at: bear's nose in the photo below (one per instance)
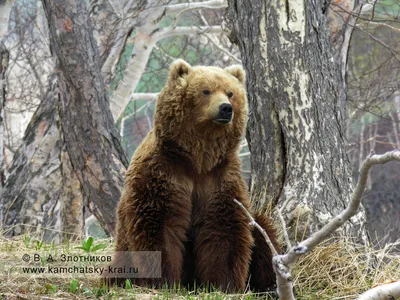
(225, 111)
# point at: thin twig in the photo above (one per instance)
(259, 228)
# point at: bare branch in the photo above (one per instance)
(244, 154)
(144, 96)
(183, 7)
(200, 5)
(382, 24)
(217, 43)
(187, 30)
(222, 49)
(374, 38)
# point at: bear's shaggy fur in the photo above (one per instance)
(181, 183)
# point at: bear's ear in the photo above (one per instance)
(238, 72)
(178, 70)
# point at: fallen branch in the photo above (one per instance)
(381, 292)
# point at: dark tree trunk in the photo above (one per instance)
(296, 122)
(89, 161)
(3, 68)
(92, 141)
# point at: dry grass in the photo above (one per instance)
(339, 270)
(336, 270)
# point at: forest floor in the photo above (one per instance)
(335, 270)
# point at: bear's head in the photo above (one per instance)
(202, 103)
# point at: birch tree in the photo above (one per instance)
(296, 130)
(145, 39)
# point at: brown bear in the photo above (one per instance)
(182, 181)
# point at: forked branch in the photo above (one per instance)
(283, 263)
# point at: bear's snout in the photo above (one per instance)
(225, 113)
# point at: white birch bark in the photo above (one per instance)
(296, 124)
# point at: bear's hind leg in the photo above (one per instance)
(223, 246)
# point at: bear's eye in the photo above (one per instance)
(230, 95)
(206, 92)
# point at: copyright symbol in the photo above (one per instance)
(26, 258)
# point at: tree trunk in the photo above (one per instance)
(5, 8)
(31, 197)
(3, 68)
(296, 122)
(87, 161)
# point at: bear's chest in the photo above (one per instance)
(205, 190)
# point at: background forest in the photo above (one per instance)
(63, 157)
